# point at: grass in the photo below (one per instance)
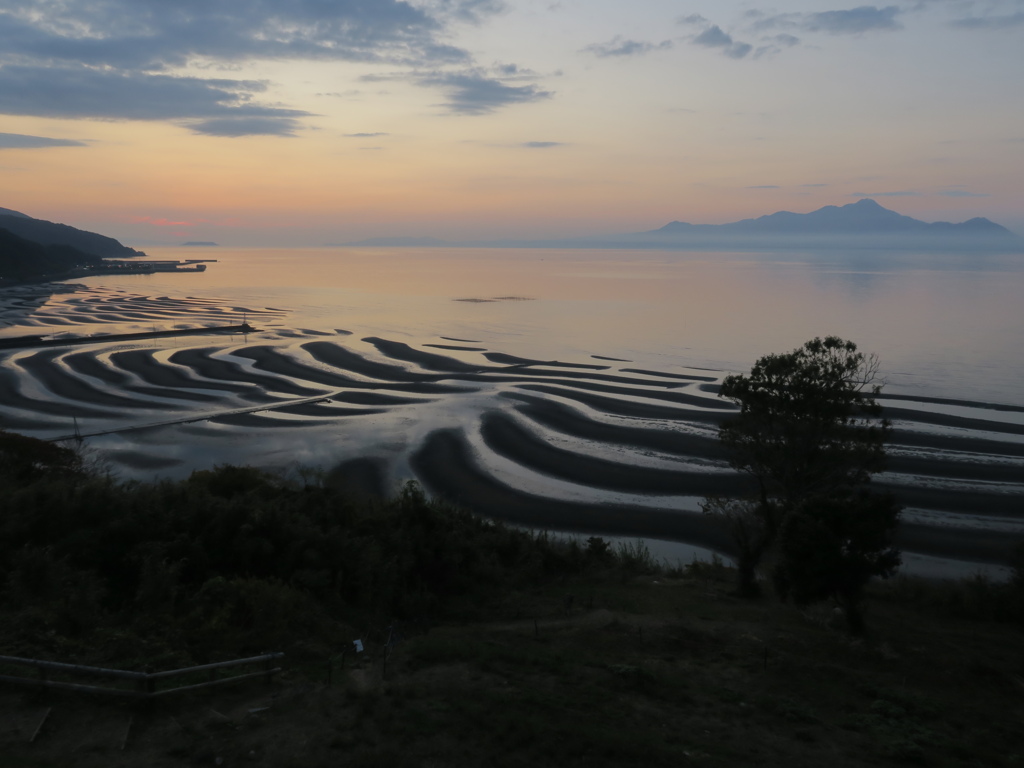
(653, 670)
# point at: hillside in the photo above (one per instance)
(22, 259)
(49, 233)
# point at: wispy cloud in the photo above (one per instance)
(774, 32)
(899, 193)
(373, 135)
(865, 18)
(21, 141)
(618, 46)
(541, 144)
(785, 39)
(764, 186)
(714, 37)
(994, 22)
(853, 21)
(91, 93)
(478, 93)
(472, 11)
(961, 193)
(233, 127)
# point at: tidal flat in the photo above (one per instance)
(587, 404)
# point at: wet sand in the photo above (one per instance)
(595, 428)
(446, 466)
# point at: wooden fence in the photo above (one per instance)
(144, 684)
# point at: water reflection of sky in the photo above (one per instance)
(943, 324)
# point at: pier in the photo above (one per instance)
(24, 342)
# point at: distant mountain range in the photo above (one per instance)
(31, 249)
(864, 224)
(860, 218)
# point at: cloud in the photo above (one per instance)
(127, 34)
(476, 93)
(853, 21)
(961, 193)
(902, 193)
(234, 127)
(365, 135)
(785, 40)
(865, 18)
(1008, 21)
(472, 11)
(620, 47)
(714, 37)
(765, 186)
(65, 92)
(21, 141)
(118, 59)
(542, 144)
(775, 44)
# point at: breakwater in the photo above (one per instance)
(29, 342)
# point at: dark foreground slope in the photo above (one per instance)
(574, 656)
(482, 645)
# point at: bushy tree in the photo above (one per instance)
(808, 421)
(830, 547)
(809, 429)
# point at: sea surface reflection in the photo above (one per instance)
(948, 325)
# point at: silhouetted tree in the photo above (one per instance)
(809, 428)
(25, 459)
(832, 546)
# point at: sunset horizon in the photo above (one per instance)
(480, 119)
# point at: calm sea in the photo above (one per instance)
(945, 325)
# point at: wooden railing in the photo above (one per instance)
(145, 683)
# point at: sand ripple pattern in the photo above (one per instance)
(598, 447)
(32, 306)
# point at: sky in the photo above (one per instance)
(305, 122)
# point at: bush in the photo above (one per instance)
(232, 560)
